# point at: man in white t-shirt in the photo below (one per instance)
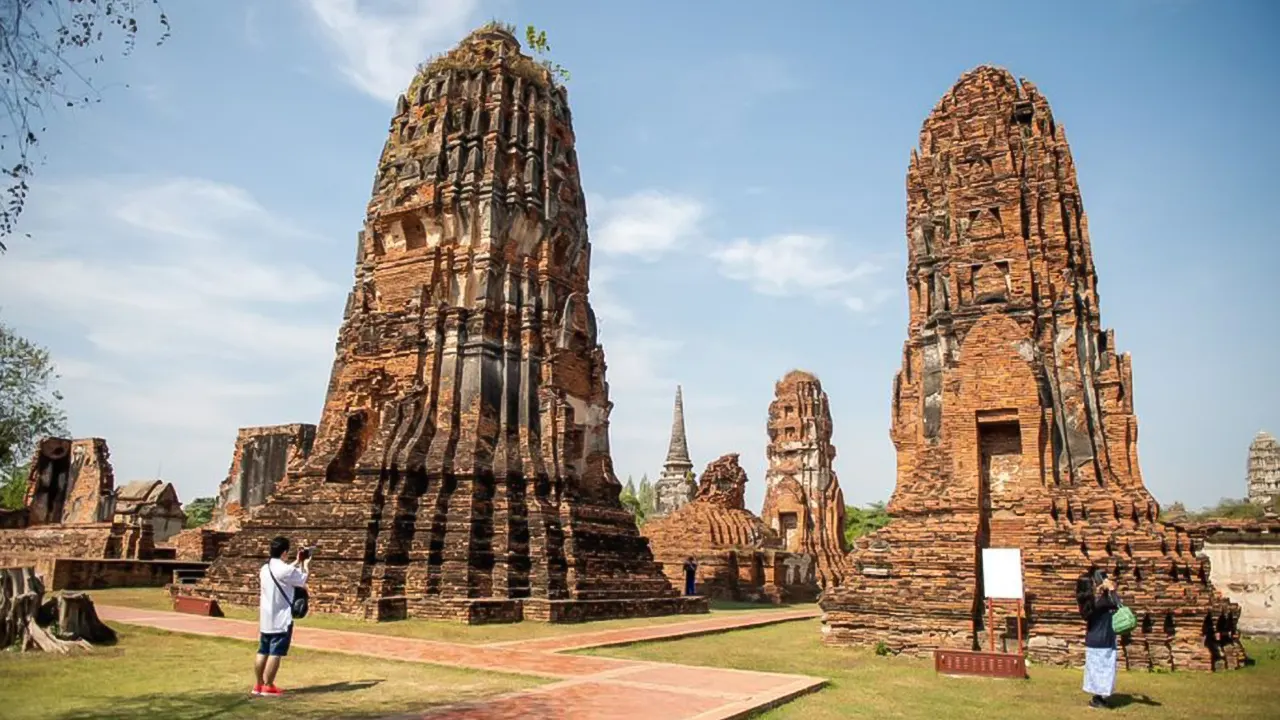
(279, 580)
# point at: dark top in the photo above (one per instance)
(689, 570)
(1098, 611)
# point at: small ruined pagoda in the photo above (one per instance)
(803, 502)
(461, 468)
(675, 486)
(738, 556)
(1013, 414)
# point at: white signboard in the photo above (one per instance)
(1002, 573)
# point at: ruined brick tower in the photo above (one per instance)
(461, 467)
(803, 502)
(1013, 413)
(1263, 478)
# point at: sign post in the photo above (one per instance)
(1001, 584)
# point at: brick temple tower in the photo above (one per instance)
(803, 502)
(1013, 413)
(461, 467)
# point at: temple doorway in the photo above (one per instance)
(789, 528)
(1000, 460)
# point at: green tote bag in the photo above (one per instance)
(1123, 620)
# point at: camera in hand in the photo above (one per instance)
(306, 553)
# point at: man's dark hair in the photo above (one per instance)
(279, 546)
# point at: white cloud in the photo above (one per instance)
(176, 311)
(645, 225)
(795, 264)
(379, 45)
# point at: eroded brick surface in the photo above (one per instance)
(738, 556)
(1013, 412)
(803, 502)
(259, 462)
(71, 481)
(461, 466)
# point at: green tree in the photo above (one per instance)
(536, 41)
(13, 487)
(645, 496)
(199, 511)
(631, 503)
(29, 404)
(47, 49)
(859, 521)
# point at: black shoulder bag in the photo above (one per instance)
(298, 604)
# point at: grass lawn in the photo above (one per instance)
(150, 673)
(866, 686)
(158, 599)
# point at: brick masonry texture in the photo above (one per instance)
(803, 502)
(738, 556)
(1013, 413)
(259, 462)
(461, 467)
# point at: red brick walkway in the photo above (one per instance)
(588, 687)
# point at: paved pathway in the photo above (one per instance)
(586, 687)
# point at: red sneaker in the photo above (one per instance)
(257, 689)
(272, 691)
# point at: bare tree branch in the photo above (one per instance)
(47, 50)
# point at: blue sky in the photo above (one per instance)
(745, 168)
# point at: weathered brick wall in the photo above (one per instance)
(93, 574)
(1013, 413)
(463, 451)
(200, 544)
(1244, 562)
(261, 457)
(738, 556)
(803, 502)
(98, 540)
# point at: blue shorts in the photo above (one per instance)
(275, 644)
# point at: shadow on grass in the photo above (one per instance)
(205, 705)
(1120, 700)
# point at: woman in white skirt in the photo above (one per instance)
(1095, 594)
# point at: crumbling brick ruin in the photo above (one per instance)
(1264, 469)
(70, 511)
(1013, 413)
(803, 502)
(675, 486)
(738, 556)
(461, 467)
(154, 502)
(261, 457)
(71, 482)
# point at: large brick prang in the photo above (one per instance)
(461, 467)
(1013, 413)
